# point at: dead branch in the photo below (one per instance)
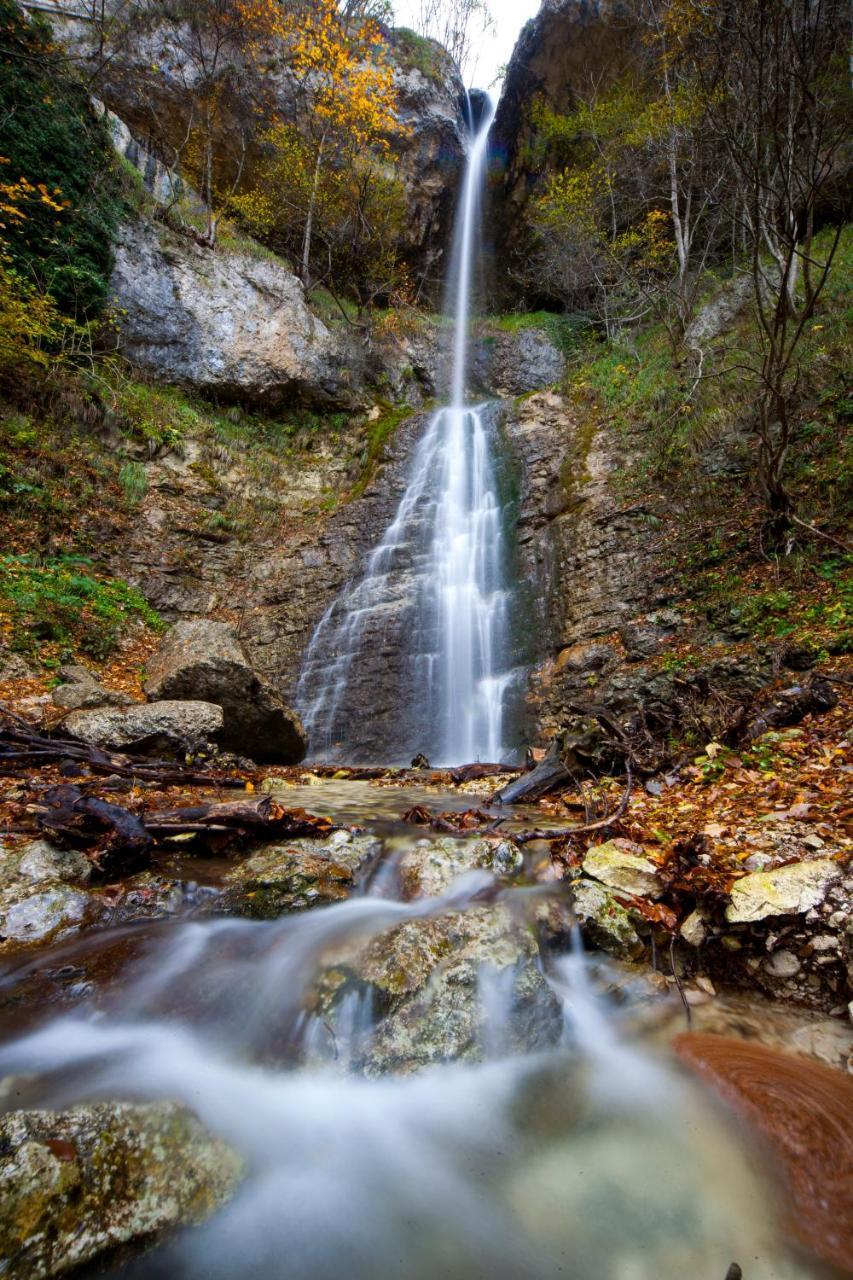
(561, 833)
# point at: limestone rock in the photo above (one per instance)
(516, 363)
(789, 890)
(606, 921)
(622, 866)
(429, 976)
(430, 867)
(76, 1183)
(154, 728)
(230, 324)
(41, 860)
(298, 875)
(81, 691)
(38, 916)
(693, 929)
(203, 659)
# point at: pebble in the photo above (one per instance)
(782, 964)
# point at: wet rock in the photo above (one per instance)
(298, 875)
(41, 860)
(789, 890)
(623, 866)
(81, 691)
(430, 867)
(433, 979)
(76, 1183)
(42, 915)
(782, 964)
(604, 920)
(154, 728)
(694, 929)
(204, 660)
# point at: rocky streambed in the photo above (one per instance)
(381, 1048)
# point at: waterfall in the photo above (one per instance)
(422, 638)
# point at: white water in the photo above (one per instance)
(590, 1160)
(436, 587)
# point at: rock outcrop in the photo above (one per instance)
(230, 324)
(566, 47)
(203, 660)
(77, 1183)
(298, 875)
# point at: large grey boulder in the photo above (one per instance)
(43, 893)
(228, 323)
(74, 1184)
(202, 659)
(514, 363)
(153, 728)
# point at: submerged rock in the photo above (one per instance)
(789, 890)
(76, 1183)
(203, 659)
(298, 875)
(155, 728)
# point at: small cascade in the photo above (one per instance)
(423, 637)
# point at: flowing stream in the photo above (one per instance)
(539, 1140)
(438, 586)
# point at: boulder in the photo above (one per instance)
(623, 866)
(232, 324)
(202, 659)
(80, 691)
(432, 981)
(298, 875)
(74, 1184)
(41, 893)
(516, 363)
(155, 728)
(785, 891)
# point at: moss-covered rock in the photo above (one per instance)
(301, 874)
(76, 1183)
(784, 891)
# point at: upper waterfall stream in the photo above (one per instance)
(438, 586)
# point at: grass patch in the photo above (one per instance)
(60, 603)
(417, 53)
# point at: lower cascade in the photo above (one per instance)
(434, 604)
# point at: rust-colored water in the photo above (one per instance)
(804, 1112)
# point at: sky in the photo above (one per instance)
(495, 47)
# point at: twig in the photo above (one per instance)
(560, 833)
(836, 542)
(687, 1012)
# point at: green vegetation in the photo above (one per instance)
(59, 238)
(59, 602)
(417, 53)
(379, 433)
(566, 331)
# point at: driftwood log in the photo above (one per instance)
(548, 776)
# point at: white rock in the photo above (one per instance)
(790, 890)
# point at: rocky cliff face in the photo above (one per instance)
(234, 325)
(148, 85)
(567, 48)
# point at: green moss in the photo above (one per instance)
(379, 433)
(574, 469)
(58, 601)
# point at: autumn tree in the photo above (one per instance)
(330, 164)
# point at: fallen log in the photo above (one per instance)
(473, 772)
(787, 707)
(250, 816)
(549, 775)
(21, 745)
(115, 839)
